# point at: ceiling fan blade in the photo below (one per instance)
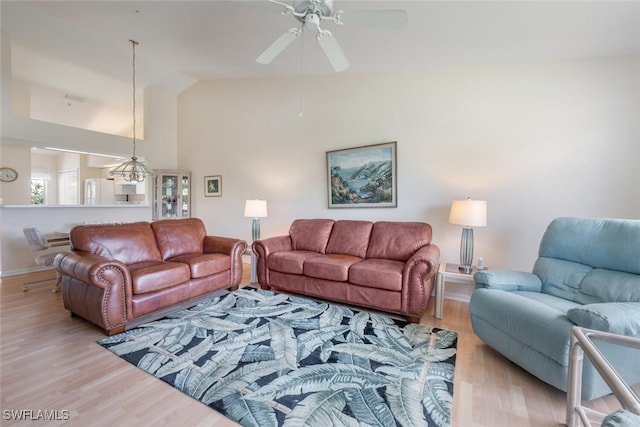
(288, 9)
(333, 51)
(374, 18)
(278, 46)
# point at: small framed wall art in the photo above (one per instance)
(362, 177)
(213, 186)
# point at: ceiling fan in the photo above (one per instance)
(312, 12)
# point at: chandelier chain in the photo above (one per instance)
(133, 74)
(133, 170)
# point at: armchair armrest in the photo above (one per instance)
(235, 248)
(95, 288)
(615, 317)
(508, 280)
(263, 248)
(273, 244)
(90, 268)
(417, 279)
(224, 245)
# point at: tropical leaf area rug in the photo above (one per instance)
(269, 359)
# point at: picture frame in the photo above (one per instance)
(363, 177)
(213, 186)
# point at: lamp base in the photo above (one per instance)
(255, 229)
(466, 250)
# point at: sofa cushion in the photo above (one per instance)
(378, 273)
(563, 279)
(606, 243)
(129, 243)
(202, 265)
(397, 240)
(350, 238)
(153, 276)
(612, 286)
(310, 234)
(330, 267)
(289, 261)
(177, 237)
(536, 320)
(621, 418)
(616, 317)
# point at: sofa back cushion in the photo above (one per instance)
(177, 237)
(129, 243)
(398, 240)
(586, 285)
(611, 244)
(350, 238)
(310, 234)
(612, 286)
(589, 260)
(563, 279)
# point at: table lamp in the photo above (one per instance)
(255, 209)
(468, 213)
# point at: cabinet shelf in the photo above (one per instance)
(172, 194)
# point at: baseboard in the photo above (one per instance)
(458, 297)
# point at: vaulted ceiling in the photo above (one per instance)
(78, 52)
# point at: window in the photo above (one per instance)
(39, 187)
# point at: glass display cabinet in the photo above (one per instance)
(172, 194)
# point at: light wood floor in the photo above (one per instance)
(50, 361)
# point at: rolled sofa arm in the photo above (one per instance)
(235, 248)
(615, 317)
(262, 249)
(95, 288)
(417, 280)
(508, 280)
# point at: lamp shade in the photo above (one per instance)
(255, 208)
(469, 213)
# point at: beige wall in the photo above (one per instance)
(159, 147)
(536, 141)
(20, 133)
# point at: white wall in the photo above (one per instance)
(19, 133)
(17, 257)
(159, 147)
(536, 141)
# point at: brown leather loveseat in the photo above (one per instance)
(119, 276)
(384, 265)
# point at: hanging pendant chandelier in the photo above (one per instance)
(133, 170)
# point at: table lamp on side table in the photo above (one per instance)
(468, 213)
(255, 209)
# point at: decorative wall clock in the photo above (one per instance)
(8, 174)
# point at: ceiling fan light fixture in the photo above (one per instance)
(312, 22)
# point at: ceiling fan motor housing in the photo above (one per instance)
(318, 7)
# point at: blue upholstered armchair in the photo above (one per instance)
(587, 274)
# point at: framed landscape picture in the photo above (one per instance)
(213, 186)
(362, 177)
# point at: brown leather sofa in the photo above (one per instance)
(385, 265)
(119, 276)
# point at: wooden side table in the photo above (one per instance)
(449, 273)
